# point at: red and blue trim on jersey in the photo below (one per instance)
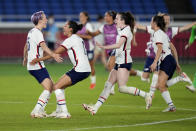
(124, 48)
(75, 57)
(37, 55)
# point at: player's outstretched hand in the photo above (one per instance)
(58, 58)
(153, 66)
(34, 61)
(186, 46)
(99, 45)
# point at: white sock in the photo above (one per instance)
(133, 91)
(60, 97)
(173, 81)
(42, 101)
(139, 73)
(167, 98)
(153, 84)
(104, 95)
(112, 89)
(58, 109)
(93, 79)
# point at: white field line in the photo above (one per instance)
(131, 125)
(119, 106)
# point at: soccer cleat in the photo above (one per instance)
(92, 86)
(184, 77)
(89, 108)
(170, 109)
(38, 114)
(64, 115)
(53, 114)
(148, 100)
(191, 88)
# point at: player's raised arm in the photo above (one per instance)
(187, 27)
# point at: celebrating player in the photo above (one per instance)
(34, 48)
(120, 73)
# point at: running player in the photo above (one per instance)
(89, 44)
(75, 47)
(34, 48)
(164, 60)
(171, 32)
(120, 73)
(110, 32)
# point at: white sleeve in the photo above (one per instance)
(67, 44)
(158, 38)
(101, 28)
(149, 30)
(89, 27)
(39, 37)
(175, 31)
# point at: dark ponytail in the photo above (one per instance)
(159, 20)
(112, 13)
(75, 27)
(129, 19)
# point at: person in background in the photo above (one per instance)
(100, 39)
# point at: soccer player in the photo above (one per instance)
(89, 44)
(110, 33)
(191, 40)
(75, 47)
(164, 60)
(171, 32)
(120, 74)
(34, 48)
(100, 39)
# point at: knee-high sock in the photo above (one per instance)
(60, 97)
(153, 84)
(42, 101)
(104, 95)
(132, 91)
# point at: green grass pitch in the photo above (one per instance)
(19, 92)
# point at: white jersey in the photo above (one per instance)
(99, 38)
(34, 38)
(161, 37)
(89, 27)
(171, 32)
(77, 53)
(123, 54)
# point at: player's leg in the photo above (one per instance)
(103, 58)
(162, 79)
(104, 94)
(153, 83)
(122, 78)
(43, 78)
(110, 66)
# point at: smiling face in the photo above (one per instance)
(66, 29)
(119, 22)
(108, 18)
(43, 21)
(83, 18)
(167, 20)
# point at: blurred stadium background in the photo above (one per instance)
(19, 91)
(15, 20)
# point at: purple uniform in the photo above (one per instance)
(110, 34)
(89, 44)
